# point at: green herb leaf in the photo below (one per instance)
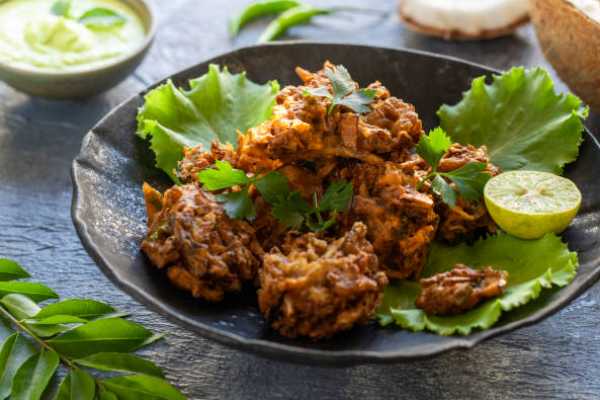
(337, 197)
(273, 187)
(106, 394)
(104, 335)
(58, 319)
(444, 190)
(19, 306)
(102, 18)
(120, 362)
(5, 330)
(259, 9)
(223, 176)
(300, 15)
(521, 120)
(14, 352)
(532, 265)
(34, 375)
(61, 8)
(134, 387)
(10, 270)
(82, 385)
(291, 210)
(358, 101)
(172, 118)
(341, 81)
(86, 309)
(433, 146)
(320, 91)
(35, 291)
(238, 205)
(64, 389)
(470, 180)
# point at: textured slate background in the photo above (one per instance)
(556, 359)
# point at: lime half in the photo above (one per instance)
(529, 204)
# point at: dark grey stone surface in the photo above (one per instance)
(556, 359)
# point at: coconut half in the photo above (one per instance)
(464, 19)
(569, 34)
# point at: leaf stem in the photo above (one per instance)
(20, 326)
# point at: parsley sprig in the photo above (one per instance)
(97, 17)
(288, 207)
(469, 180)
(344, 91)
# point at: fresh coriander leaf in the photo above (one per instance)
(62, 8)
(321, 226)
(102, 18)
(320, 91)
(441, 188)
(86, 309)
(134, 387)
(104, 335)
(223, 176)
(82, 385)
(358, 101)
(14, 352)
(259, 9)
(11, 270)
(120, 362)
(302, 14)
(532, 265)
(172, 118)
(291, 210)
(433, 146)
(35, 291)
(470, 180)
(238, 205)
(337, 197)
(273, 187)
(341, 81)
(34, 375)
(19, 306)
(523, 122)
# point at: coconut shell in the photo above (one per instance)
(570, 40)
(456, 34)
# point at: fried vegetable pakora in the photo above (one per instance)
(467, 218)
(318, 284)
(204, 251)
(460, 289)
(316, 287)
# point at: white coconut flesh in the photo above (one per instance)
(589, 7)
(466, 17)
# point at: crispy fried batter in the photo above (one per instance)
(196, 159)
(401, 220)
(317, 287)
(459, 290)
(205, 252)
(302, 129)
(467, 218)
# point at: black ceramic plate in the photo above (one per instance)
(109, 213)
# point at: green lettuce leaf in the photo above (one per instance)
(521, 120)
(216, 107)
(532, 265)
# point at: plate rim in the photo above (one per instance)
(275, 350)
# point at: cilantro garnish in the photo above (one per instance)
(344, 91)
(288, 207)
(469, 180)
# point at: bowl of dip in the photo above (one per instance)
(67, 49)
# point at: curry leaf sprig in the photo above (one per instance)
(469, 180)
(289, 13)
(288, 206)
(81, 336)
(97, 17)
(344, 91)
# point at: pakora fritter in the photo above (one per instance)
(315, 286)
(204, 251)
(460, 289)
